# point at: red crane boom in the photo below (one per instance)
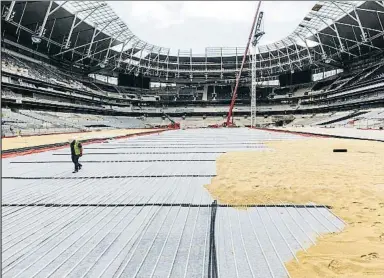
(234, 96)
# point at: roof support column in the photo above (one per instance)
(270, 59)
(381, 24)
(10, 10)
(141, 55)
(158, 62)
(47, 14)
(50, 35)
(363, 36)
(166, 76)
(90, 45)
(190, 63)
(95, 34)
(110, 44)
(381, 3)
(320, 43)
(306, 46)
(358, 45)
(101, 40)
(297, 51)
(19, 23)
(130, 58)
(121, 53)
(81, 20)
(206, 65)
(149, 59)
(334, 29)
(236, 60)
(289, 58)
(178, 64)
(66, 46)
(356, 18)
(338, 37)
(73, 50)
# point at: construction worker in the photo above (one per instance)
(76, 153)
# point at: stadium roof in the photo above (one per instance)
(89, 34)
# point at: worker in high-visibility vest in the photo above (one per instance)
(76, 153)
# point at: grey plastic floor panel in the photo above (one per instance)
(154, 224)
(111, 191)
(111, 169)
(109, 242)
(256, 242)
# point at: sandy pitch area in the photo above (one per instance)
(30, 141)
(308, 171)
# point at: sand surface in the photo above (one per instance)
(30, 141)
(308, 171)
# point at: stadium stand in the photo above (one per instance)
(32, 82)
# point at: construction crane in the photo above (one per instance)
(234, 95)
(173, 125)
(256, 37)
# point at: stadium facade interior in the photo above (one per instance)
(71, 66)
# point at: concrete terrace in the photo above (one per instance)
(138, 208)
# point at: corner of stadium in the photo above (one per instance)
(262, 160)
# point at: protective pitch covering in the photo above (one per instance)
(138, 208)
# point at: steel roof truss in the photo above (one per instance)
(83, 45)
(352, 26)
(44, 38)
(149, 58)
(381, 24)
(178, 63)
(21, 18)
(358, 46)
(74, 24)
(368, 10)
(73, 52)
(166, 76)
(141, 55)
(270, 52)
(334, 29)
(47, 14)
(190, 61)
(319, 41)
(90, 44)
(289, 58)
(380, 3)
(96, 33)
(118, 62)
(221, 61)
(113, 39)
(356, 42)
(50, 35)
(100, 51)
(363, 35)
(357, 18)
(297, 51)
(158, 62)
(132, 49)
(306, 46)
(206, 66)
